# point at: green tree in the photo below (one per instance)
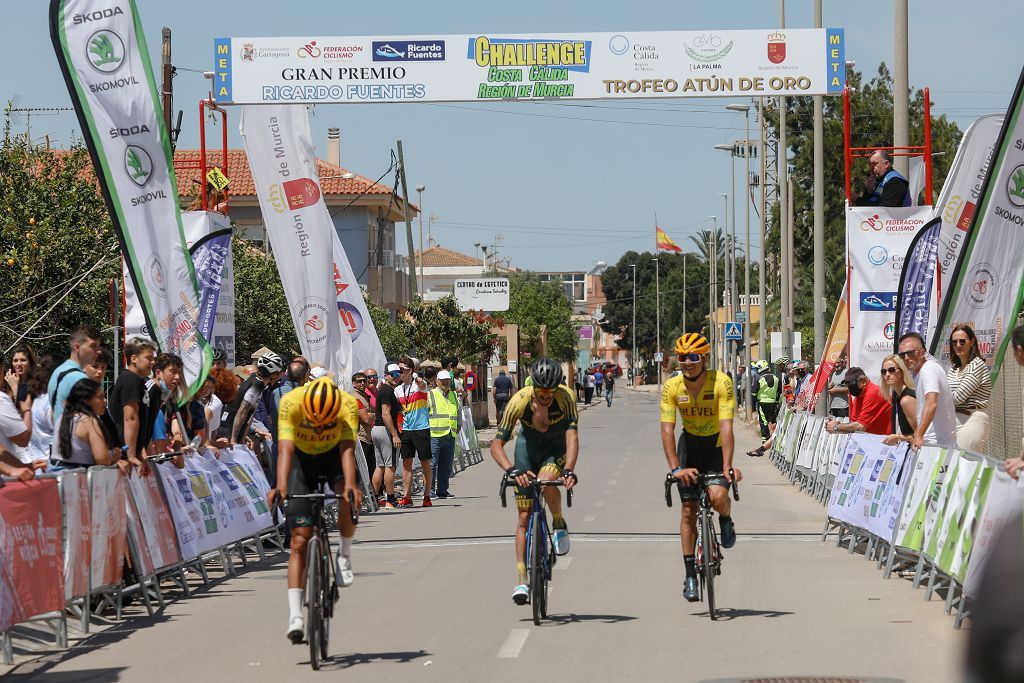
(394, 336)
(439, 329)
(534, 302)
(262, 316)
(57, 245)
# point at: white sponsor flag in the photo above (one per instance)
(988, 283)
(877, 240)
(354, 316)
(283, 162)
(102, 52)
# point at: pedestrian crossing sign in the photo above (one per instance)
(733, 331)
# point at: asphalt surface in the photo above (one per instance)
(432, 597)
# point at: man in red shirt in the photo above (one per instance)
(869, 411)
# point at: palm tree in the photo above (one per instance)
(703, 242)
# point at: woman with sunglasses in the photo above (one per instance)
(971, 383)
(898, 388)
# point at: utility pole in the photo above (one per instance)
(900, 86)
(632, 359)
(657, 316)
(419, 200)
(819, 223)
(762, 352)
(784, 224)
(168, 72)
(408, 222)
(713, 290)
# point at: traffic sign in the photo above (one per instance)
(217, 178)
(741, 316)
(470, 380)
(733, 331)
(659, 357)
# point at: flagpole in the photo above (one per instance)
(657, 300)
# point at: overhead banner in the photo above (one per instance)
(917, 282)
(501, 66)
(280, 149)
(482, 294)
(988, 282)
(367, 351)
(102, 52)
(877, 240)
(961, 193)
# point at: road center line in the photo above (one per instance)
(514, 643)
(613, 482)
(562, 564)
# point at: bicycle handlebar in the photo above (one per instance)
(702, 479)
(353, 511)
(507, 481)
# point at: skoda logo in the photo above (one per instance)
(619, 45)
(105, 51)
(878, 255)
(138, 164)
(1015, 187)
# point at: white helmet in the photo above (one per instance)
(270, 363)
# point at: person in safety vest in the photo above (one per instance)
(768, 393)
(445, 420)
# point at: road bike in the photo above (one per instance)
(321, 589)
(540, 544)
(708, 551)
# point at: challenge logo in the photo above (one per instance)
(777, 48)
(707, 48)
(982, 283)
(408, 51)
(877, 255)
(571, 55)
(105, 51)
(1015, 187)
(138, 164)
(311, 318)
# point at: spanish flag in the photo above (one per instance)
(663, 242)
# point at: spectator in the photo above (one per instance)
(366, 420)
(589, 387)
(741, 385)
(885, 186)
(295, 376)
(898, 388)
(212, 406)
(839, 395)
(220, 359)
(869, 411)
(1015, 465)
(23, 360)
(10, 466)
(936, 416)
(444, 425)
(80, 440)
(372, 382)
(97, 369)
(598, 381)
(502, 393)
(85, 344)
(225, 384)
(801, 373)
(767, 395)
(412, 394)
(609, 388)
(135, 401)
(167, 369)
(971, 383)
(238, 415)
(15, 420)
(386, 437)
(42, 412)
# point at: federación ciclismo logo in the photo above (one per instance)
(138, 164)
(105, 51)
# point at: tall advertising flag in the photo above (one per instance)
(102, 53)
(279, 145)
(988, 283)
(367, 351)
(835, 344)
(917, 282)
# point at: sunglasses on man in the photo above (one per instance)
(689, 358)
(907, 354)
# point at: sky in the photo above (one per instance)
(557, 186)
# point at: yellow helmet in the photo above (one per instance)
(321, 402)
(692, 342)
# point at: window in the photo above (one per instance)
(575, 284)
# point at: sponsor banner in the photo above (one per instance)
(109, 521)
(868, 489)
(499, 66)
(367, 351)
(74, 491)
(102, 52)
(208, 236)
(956, 556)
(835, 344)
(280, 149)
(31, 561)
(917, 281)
(988, 282)
(961, 193)
(924, 478)
(482, 294)
(1003, 502)
(151, 524)
(942, 537)
(877, 239)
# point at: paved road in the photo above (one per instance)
(432, 594)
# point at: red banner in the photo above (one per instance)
(109, 525)
(74, 486)
(31, 557)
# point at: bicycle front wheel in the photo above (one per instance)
(314, 603)
(708, 552)
(538, 577)
(326, 600)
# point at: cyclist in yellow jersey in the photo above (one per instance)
(705, 401)
(316, 432)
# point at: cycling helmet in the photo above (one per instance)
(321, 402)
(783, 360)
(270, 363)
(761, 365)
(546, 373)
(219, 355)
(693, 342)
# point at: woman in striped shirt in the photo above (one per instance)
(971, 383)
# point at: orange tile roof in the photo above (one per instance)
(439, 257)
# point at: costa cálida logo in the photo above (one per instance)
(777, 48)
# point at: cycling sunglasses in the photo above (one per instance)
(689, 357)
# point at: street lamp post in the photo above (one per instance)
(657, 316)
(419, 199)
(713, 289)
(632, 359)
(726, 290)
(746, 260)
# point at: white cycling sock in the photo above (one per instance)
(345, 549)
(294, 603)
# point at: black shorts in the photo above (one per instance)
(704, 459)
(416, 442)
(305, 473)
